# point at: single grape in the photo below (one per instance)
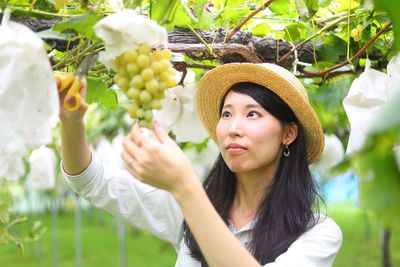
(143, 61)
(160, 95)
(165, 64)
(164, 76)
(162, 86)
(148, 115)
(354, 32)
(140, 113)
(157, 55)
(132, 109)
(132, 69)
(133, 93)
(171, 81)
(166, 53)
(130, 56)
(144, 49)
(145, 97)
(156, 104)
(137, 82)
(122, 71)
(123, 83)
(147, 74)
(156, 66)
(152, 86)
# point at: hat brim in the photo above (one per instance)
(215, 83)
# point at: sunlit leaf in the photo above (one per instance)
(170, 13)
(98, 92)
(280, 6)
(82, 24)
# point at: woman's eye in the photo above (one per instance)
(225, 114)
(253, 114)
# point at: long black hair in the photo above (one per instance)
(286, 211)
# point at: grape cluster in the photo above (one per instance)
(144, 74)
(356, 32)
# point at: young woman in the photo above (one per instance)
(255, 208)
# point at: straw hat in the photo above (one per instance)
(215, 83)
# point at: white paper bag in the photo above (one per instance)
(179, 114)
(29, 103)
(42, 173)
(366, 97)
(126, 30)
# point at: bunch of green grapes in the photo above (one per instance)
(144, 74)
(356, 32)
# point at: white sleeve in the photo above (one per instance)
(317, 247)
(117, 191)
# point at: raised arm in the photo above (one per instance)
(75, 151)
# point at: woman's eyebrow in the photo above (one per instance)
(247, 106)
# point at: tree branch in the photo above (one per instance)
(240, 25)
(344, 63)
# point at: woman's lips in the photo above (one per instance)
(235, 149)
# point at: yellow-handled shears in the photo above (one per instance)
(73, 81)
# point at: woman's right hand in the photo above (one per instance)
(66, 115)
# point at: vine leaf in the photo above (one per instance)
(392, 7)
(169, 14)
(82, 24)
(280, 7)
(98, 92)
(333, 48)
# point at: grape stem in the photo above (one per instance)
(209, 49)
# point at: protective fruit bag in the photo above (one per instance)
(29, 102)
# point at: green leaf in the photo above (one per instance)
(50, 34)
(332, 49)
(312, 5)
(82, 24)
(5, 209)
(206, 19)
(170, 14)
(390, 6)
(235, 14)
(280, 6)
(324, 3)
(98, 92)
(295, 32)
(380, 184)
(260, 29)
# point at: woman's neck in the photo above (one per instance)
(250, 191)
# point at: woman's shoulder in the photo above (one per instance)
(325, 227)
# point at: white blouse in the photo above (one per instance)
(156, 211)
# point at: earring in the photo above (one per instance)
(286, 151)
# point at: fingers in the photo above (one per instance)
(131, 150)
(136, 135)
(161, 135)
(83, 89)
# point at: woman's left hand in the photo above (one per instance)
(160, 163)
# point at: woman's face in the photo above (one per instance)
(250, 138)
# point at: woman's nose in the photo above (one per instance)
(236, 127)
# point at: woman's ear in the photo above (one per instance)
(290, 133)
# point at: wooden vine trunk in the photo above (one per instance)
(242, 47)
